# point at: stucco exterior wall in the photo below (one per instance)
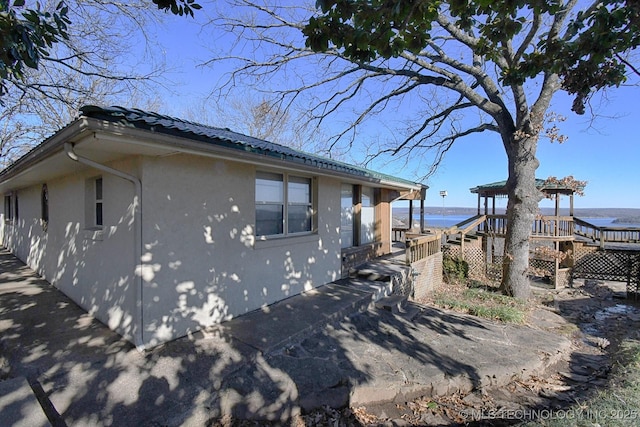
(95, 269)
(201, 262)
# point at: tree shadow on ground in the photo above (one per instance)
(84, 374)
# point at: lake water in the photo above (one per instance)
(441, 221)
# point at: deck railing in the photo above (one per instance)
(495, 225)
(546, 226)
(606, 234)
(472, 225)
(553, 227)
(468, 225)
(399, 234)
(422, 246)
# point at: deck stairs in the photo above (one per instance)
(456, 239)
(388, 281)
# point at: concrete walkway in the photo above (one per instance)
(325, 347)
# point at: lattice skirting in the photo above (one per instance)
(587, 262)
(615, 265)
(580, 250)
(473, 255)
(494, 269)
(542, 267)
(483, 268)
(539, 267)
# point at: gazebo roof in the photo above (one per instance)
(548, 186)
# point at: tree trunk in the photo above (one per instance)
(521, 211)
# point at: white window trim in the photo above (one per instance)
(285, 205)
(91, 202)
(98, 202)
(8, 208)
(350, 211)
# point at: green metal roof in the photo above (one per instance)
(500, 187)
(229, 139)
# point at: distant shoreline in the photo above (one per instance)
(623, 216)
(627, 220)
(620, 213)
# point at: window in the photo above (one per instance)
(94, 203)
(98, 202)
(299, 208)
(284, 204)
(8, 208)
(367, 216)
(269, 204)
(44, 205)
(346, 216)
(15, 203)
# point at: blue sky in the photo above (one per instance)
(604, 152)
(602, 148)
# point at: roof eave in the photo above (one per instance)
(80, 128)
(52, 145)
(185, 144)
(226, 138)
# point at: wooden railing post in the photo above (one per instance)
(420, 247)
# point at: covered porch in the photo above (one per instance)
(385, 244)
(412, 250)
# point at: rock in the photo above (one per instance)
(473, 400)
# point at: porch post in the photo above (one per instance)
(571, 204)
(557, 227)
(421, 215)
(410, 214)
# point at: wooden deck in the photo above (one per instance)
(409, 247)
(619, 236)
(551, 228)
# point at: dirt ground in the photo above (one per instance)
(595, 315)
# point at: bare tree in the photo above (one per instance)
(441, 71)
(107, 57)
(262, 118)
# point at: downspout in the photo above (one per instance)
(137, 243)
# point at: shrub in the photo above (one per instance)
(455, 268)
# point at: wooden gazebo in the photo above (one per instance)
(552, 235)
(551, 188)
(562, 246)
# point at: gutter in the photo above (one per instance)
(50, 146)
(185, 145)
(137, 241)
